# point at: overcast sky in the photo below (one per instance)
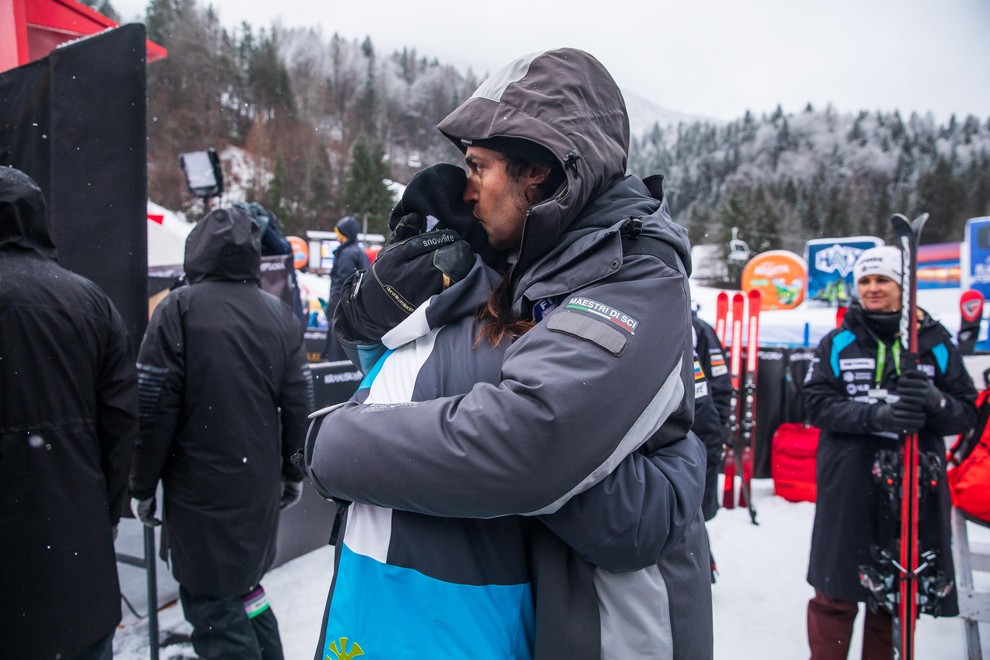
(715, 58)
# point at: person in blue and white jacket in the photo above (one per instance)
(581, 422)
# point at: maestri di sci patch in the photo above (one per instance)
(603, 312)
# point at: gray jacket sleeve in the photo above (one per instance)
(639, 512)
(570, 406)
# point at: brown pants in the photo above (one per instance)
(830, 627)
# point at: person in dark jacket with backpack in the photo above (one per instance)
(858, 395)
(348, 258)
(68, 422)
(224, 393)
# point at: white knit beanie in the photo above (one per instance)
(883, 260)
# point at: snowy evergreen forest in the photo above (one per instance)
(319, 116)
(785, 178)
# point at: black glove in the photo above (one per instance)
(144, 510)
(899, 417)
(291, 493)
(434, 199)
(411, 224)
(914, 388)
(405, 274)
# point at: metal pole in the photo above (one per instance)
(152, 577)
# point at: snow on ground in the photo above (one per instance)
(759, 599)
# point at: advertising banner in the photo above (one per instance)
(300, 252)
(830, 267)
(779, 275)
(974, 256)
(938, 266)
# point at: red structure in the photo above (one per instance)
(31, 29)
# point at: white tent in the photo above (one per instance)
(166, 239)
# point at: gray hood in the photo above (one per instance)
(565, 101)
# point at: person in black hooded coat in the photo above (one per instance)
(224, 393)
(68, 420)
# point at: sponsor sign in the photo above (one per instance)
(830, 267)
(779, 275)
(300, 252)
(938, 266)
(975, 265)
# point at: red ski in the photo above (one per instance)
(721, 312)
(840, 313)
(748, 402)
(739, 448)
(732, 461)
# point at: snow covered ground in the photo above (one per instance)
(759, 599)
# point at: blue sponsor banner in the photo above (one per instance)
(975, 258)
(830, 267)
(976, 255)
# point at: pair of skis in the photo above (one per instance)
(742, 406)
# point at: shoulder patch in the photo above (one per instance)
(603, 312)
(588, 329)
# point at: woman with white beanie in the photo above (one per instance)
(862, 399)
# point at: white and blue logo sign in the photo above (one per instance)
(830, 267)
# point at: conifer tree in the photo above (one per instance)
(366, 195)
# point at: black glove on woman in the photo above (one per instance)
(899, 417)
(915, 389)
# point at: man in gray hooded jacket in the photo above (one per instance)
(602, 366)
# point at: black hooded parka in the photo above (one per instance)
(224, 393)
(853, 510)
(68, 421)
